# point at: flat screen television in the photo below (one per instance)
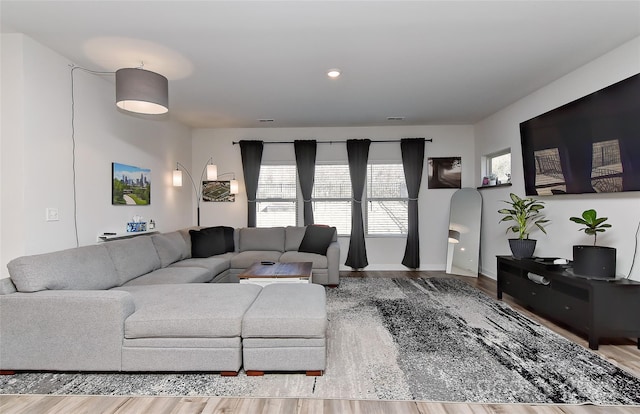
(590, 145)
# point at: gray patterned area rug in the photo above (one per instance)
(430, 339)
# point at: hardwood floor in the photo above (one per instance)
(621, 352)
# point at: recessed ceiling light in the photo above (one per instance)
(333, 73)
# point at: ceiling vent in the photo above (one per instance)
(395, 118)
(266, 120)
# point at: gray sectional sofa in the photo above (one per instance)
(144, 304)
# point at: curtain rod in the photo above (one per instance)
(330, 142)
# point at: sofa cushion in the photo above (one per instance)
(173, 275)
(207, 242)
(6, 286)
(263, 238)
(243, 260)
(195, 310)
(319, 261)
(293, 237)
(317, 239)
(214, 264)
(171, 247)
(187, 238)
(287, 310)
(82, 268)
(133, 257)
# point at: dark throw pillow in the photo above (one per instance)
(207, 242)
(228, 239)
(317, 239)
(228, 236)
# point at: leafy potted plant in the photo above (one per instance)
(595, 261)
(526, 215)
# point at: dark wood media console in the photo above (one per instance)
(599, 308)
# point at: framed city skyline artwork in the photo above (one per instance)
(130, 185)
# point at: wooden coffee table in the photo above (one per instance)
(264, 274)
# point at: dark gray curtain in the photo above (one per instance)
(412, 162)
(251, 153)
(306, 166)
(358, 154)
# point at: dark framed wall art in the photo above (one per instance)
(217, 191)
(445, 172)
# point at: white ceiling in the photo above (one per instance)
(230, 63)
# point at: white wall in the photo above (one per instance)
(37, 160)
(501, 130)
(11, 151)
(384, 253)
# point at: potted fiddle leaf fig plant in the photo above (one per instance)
(527, 217)
(594, 261)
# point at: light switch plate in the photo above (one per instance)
(52, 214)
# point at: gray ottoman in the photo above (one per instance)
(285, 330)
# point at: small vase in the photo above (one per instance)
(522, 248)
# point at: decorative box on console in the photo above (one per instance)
(136, 226)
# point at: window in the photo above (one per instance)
(276, 198)
(387, 200)
(332, 197)
(499, 164)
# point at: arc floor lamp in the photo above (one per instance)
(211, 171)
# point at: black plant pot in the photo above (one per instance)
(522, 248)
(594, 261)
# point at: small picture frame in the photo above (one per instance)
(217, 191)
(445, 172)
(130, 186)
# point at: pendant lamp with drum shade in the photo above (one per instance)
(142, 91)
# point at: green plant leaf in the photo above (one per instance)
(578, 220)
(589, 215)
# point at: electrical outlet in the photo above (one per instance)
(52, 214)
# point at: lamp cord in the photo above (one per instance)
(635, 252)
(73, 146)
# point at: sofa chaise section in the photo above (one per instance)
(186, 327)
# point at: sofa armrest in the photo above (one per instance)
(63, 329)
(333, 263)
